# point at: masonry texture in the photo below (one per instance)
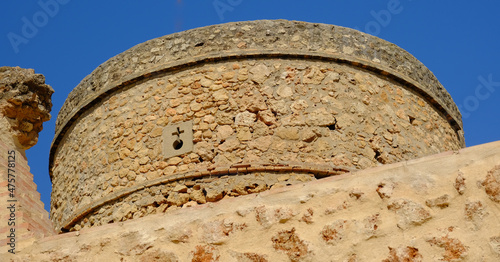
(24, 105)
(442, 207)
(273, 103)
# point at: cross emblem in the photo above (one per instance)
(178, 132)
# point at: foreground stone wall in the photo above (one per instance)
(443, 207)
(264, 111)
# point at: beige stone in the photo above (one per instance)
(307, 135)
(321, 117)
(259, 73)
(267, 117)
(289, 133)
(177, 199)
(410, 212)
(220, 95)
(230, 144)
(284, 91)
(224, 131)
(299, 105)
(313, 76)
(492, 184)
(254, 103)
(245, 119)
(261, 143)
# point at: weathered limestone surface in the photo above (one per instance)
(24, 104)
(442, 207)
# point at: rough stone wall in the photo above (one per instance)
(443, 207)
(244, 112)
(24, 106)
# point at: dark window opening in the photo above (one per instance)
(177, 144)
(411, 118)
(377, 154)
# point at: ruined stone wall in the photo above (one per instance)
(24, 106)
(253, 119)
(442, 207)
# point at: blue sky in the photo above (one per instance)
(457, 40)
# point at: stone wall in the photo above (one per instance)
(21, 207)
(291, 112)
(442, 207)
(24, 106)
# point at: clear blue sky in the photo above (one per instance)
(457, 40)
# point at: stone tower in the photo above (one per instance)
(239, 108)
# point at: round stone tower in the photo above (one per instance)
(238, 108)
